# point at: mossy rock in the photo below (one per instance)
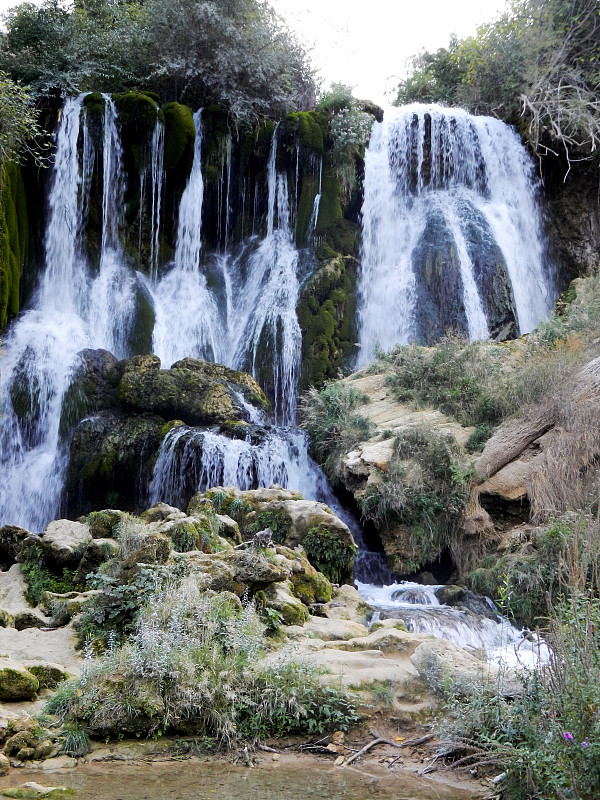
(102, 524)
(280, 597)
(138, 114)
(16, 682)
(180, 135)
(14, 239)
(48, 675)
(305, 128)
(326, 312)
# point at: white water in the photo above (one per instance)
(217, 460)
(260, 287)
(420, 610)
(475, 162)
(70, 310)
(188, 322)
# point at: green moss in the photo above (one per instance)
(305, 127)
(330, 208)
(14, 239)
(329, 554)
(278, 521)
(137, 114)
(326, 316)
(180, 135)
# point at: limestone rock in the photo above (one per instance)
(334, 629)
(16, 682)
(251, 568)
(281, 598)
(4, 765)
(49, 675)
(63, 542)
(102, 524)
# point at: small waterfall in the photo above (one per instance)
(187, 316)
(451, 231)
(264, 308)
(69, 312)
(191, 459)
(315, 211)
(112, 297)
(158, 149)
(419, 608)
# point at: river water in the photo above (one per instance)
(294, 778)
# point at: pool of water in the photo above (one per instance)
(298, 779)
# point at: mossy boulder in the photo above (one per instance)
(195, 391)
(12, 538)
(49, 675)
(180, 135)
(308, 585)
(280, 597)
(16, 681)
(111, 460)
(102, 524)
(138, 115)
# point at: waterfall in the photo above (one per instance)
(187, 317)
(451, 231)
(158, 149)
(315, 210)
(263, 316)
(112, 297)
(69, 311)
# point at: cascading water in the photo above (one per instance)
(257, 321)
(419, 608)
(451, 231)
(69, 312)
(187, 317)
(265, 300)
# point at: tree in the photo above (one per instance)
(18, 120)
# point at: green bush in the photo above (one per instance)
(426, 495)
(193, 662)
(278, 521)
(333, 425)
(39, 578)
(329, 554)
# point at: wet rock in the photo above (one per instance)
(280, 597)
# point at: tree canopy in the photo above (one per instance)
(537, 66)
(234, 52)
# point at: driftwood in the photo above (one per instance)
(399, 745)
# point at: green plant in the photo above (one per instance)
(425, 489)
(328, 553)
(194, 660)
(39, 578)
(74, 740)
(278, 521)
(334, 427)
(218, 501)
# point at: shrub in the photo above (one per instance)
(426, 496)
(193, 662)
(278, 521)
(329, 554)
(334, 427)
(546, 737)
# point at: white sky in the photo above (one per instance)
(366, 43)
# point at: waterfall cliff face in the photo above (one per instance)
(451, 238)
(452, 235)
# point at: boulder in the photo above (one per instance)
(97, 552)
(11, 543)
(63, 542)
(253, 569)
(280, 597)
(16, 682)
(102, 524)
